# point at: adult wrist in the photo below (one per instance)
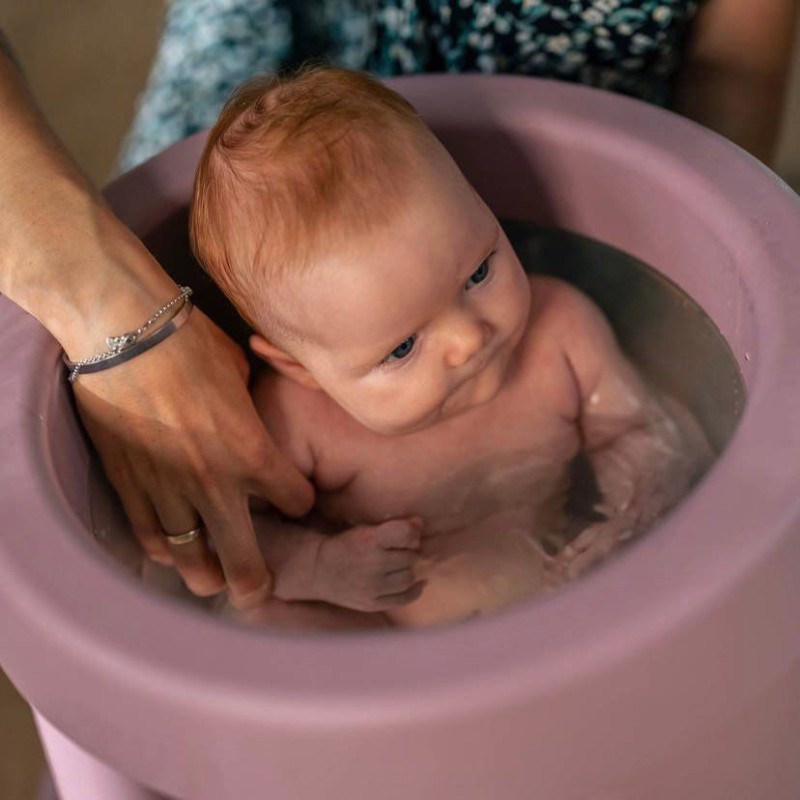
(75, 267)
(65, 258)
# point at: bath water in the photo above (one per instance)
(674, 344)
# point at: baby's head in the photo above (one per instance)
(345, 234)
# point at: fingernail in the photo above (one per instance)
(164, 559)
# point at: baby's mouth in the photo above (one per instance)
(478, 366)
(481, 362)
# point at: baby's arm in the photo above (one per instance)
(367, 567)
(646, 451)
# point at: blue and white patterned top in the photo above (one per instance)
(208, 47)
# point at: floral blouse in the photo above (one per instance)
(208, 47)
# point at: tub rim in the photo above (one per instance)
(415, 674)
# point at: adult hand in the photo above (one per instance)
(182, 444)
(175, 427)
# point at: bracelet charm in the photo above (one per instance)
(128, 345)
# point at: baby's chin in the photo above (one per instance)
(403, 427)
(468, 397)
(478, 391)
(474, 397)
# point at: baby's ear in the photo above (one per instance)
(282, 362)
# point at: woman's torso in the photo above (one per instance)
(208, 47)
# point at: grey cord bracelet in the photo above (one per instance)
(131, 349)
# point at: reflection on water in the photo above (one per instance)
(672, 341)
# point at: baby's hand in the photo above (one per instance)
(370, 567)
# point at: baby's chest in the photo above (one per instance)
(455, 476)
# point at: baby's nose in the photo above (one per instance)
(467, 336)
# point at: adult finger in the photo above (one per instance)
(275, 478)
(207, 445)
(195, 562)
(230, 527)
(144, 522)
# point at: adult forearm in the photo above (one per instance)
(175, 428)
(64, 257)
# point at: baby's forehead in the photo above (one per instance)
(437, 229)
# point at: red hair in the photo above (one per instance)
(292, 166)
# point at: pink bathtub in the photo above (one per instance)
(672, 672)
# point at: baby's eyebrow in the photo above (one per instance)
(370, 361)
(366, 359)
(495, 239)
(487, 251)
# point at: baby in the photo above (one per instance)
(434, 393)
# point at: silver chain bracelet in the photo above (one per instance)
(134, 342)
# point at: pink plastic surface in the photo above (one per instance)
(670, 673)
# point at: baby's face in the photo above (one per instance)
(417, 322)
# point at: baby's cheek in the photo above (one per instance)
(384, 413)
(412, 407)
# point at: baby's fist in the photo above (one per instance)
(371, 567)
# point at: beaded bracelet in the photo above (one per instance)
(133, 343)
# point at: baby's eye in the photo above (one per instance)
(479, 275)
(402, 350)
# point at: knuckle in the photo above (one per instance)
(150, 537)
(143, 527)
(364, 537)
(205, 471)
(257, 454)
(208, 465)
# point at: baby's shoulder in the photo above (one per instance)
(279, 398)
(306, 424)
(561, 313)
(291, 414)
(569, 324)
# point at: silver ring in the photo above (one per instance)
(184, 538)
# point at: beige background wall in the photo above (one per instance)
(86, 60)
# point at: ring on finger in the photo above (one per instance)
(184, 538)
